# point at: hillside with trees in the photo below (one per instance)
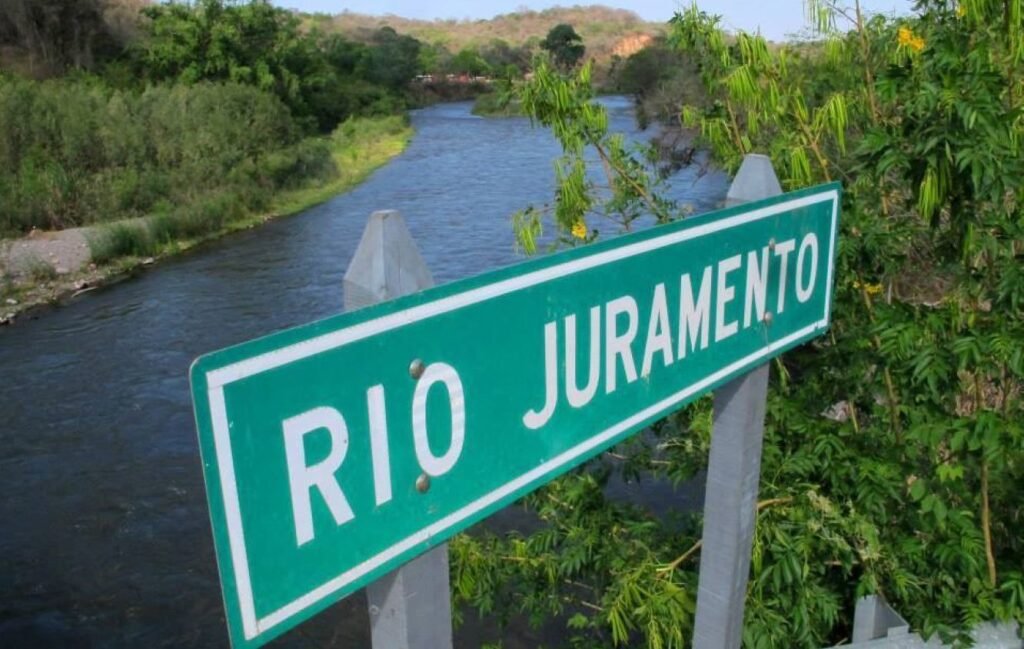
(606, 32)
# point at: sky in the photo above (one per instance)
(775, 18)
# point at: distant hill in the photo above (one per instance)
(605, 31)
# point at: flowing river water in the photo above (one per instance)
(104, 533)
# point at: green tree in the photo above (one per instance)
(499, 55)
(252, 43)
(322, 79)
(565, 46)
(468, 61)
(433, 58)
(394, 59)
(658, 77)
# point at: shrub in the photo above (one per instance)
(74, 153)
(121, 240)
(298, 165)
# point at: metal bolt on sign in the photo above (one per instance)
(416, 369)
(410, 608)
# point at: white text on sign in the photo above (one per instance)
(705, 300)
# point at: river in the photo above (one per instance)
(105, 539)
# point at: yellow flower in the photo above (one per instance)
(906, 38)
(870, 289)
(961, 10)
(579, 230)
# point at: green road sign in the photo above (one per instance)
(336, 451)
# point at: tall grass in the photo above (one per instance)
(298, 178)
(76, 153)
(121, 240)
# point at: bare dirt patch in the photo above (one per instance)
(64, 252)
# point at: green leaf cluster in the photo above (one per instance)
(565, 105)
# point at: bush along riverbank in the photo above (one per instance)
(47, 267)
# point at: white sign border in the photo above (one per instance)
(217, 379)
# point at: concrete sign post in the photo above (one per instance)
(336, 452)
(410, 608)
(734, 470)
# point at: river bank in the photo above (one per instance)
(50, 267)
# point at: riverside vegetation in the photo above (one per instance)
(894, 447)
(175, 122)
(198, 119)
(194, 159)
(208, 99)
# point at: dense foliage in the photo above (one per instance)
(321, 78)
(73, 153)
(894, 447)
(212, 101)
(658, 77)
